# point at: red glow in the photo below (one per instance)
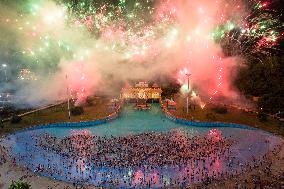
(155, 177)
(215, 135)
(265, 4)
(138, 175)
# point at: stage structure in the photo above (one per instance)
(141, 91)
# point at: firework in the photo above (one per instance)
(140, 35)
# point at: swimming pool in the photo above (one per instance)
(249, 144)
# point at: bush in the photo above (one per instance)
(170, 89)
(77, 110)
(220, 110)
(262, 116)
(1, 124)
(281, 125)
(7, 111)
(211, 116)
(20, 185)
(90, 101)
(16, 119)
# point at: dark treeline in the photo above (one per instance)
(265, 80)
(263, 72)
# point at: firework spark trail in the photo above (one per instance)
(147, 38)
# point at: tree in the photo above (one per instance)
(7, 111)
(262, 116)
(220, 110)
(77, 110)
(90, 101)
(170, 89)
(20, 185)
(16, 119)
(264, 80)
(1, 124)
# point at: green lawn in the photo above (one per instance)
(59, 113)
(99, 109)
(233, 116)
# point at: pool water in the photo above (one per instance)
(249, 143)
(130, 121)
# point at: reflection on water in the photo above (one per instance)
(215, 134)
(50, 161)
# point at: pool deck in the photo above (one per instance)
(10, 172)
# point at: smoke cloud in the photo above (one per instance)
(62, 54)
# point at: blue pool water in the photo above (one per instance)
(249, 143)
(132, 121)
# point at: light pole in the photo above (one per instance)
(68, 100)
(187, 75)
(4, 66)
(2, 99)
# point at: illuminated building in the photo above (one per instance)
(141, 90)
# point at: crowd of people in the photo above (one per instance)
(161, 159)
(3, 155)
(135, 151)
(143, 160)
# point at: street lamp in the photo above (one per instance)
(187, 75)
(2, 101)
(4, 66)
(68, 98)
